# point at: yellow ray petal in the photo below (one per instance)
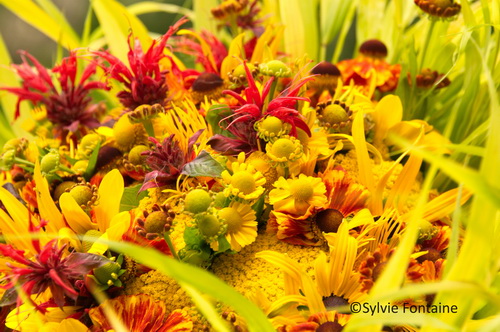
(388, 112)
(119, 225)
(444, 204)
(98, 247)
(404, 183)
(14, 233)
(67, 236)
(235, 53)
(76, 218)
(16, 209)
(47, 207)
(364, 164)
(110, 195)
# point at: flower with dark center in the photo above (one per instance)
(439, 8)
(208, 85)
(166, 160)
(47, 269)
(371, 59)
(68, 102)
(428, 78)
(144, 80)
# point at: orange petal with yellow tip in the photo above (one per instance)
(76, 218)
(110, 195)
(46, 205)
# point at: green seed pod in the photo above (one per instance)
(50, 162)
(275, 68)
(61, 188)
(83, 194)
(87, 145)
(106, 273)
(210, 226)
(426, 230)
(135, 157)
(7, 160)
(197, 201)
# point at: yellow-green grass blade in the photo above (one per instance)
(54, 12)
(204, 19)
(146, 7)
(28, 11)
(8, 128)
(117, 23)
(202, 281)
(474, 263)
(300, 35)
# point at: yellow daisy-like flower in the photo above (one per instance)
(297, 195)
(245, 182)
(241, 224)
(284, 150)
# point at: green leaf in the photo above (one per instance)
(214, 115)
(92, 162)
(146, 7)
(117, 22)
(131, 198)
(199, 279)
(203, 165)
(28, 11)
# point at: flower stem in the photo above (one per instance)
(170, 245)
(148, 125)
(426, 43)
(270, 96)
(23, 162)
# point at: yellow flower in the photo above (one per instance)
(241, 224)
(107, 217)
(297, 196)
(245, 182)
(284, 150)
(138, 313)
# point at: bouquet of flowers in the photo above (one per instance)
(271, 165)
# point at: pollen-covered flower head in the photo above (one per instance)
(241, 224)
(284, 150)
(66, 99)
(144, 80)
(298, 196)
(245, 181)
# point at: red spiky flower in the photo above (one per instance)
(167, 159)
(47, 269)
(68, 105)
(144, 80)
(252, 107)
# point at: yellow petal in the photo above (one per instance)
(76, 218)
(235, 53)
(444, 204)
(67, 236)
(409, 130)
(98, 247)
(388, 112)
(110, 195)
(119, 225)
(47, 207)
(72, 325)
(404, 183)
(16, 209)
(364, 164)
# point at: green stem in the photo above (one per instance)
(425, 48)
(271, 94)
(170, 245)
(287, 171)
(66, 169)
(23, 162)
(148, 125)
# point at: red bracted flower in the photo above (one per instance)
(145, 82)
(251, 108)
(167, 160)
(67, 107)
(48, 269)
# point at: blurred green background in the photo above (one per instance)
(19, 35)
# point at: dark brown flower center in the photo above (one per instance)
(207, 82)
(373, 48)
(330, 327)
(325, 68)
(334, 301)
(329, 220)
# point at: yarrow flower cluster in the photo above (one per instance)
(293, 180)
